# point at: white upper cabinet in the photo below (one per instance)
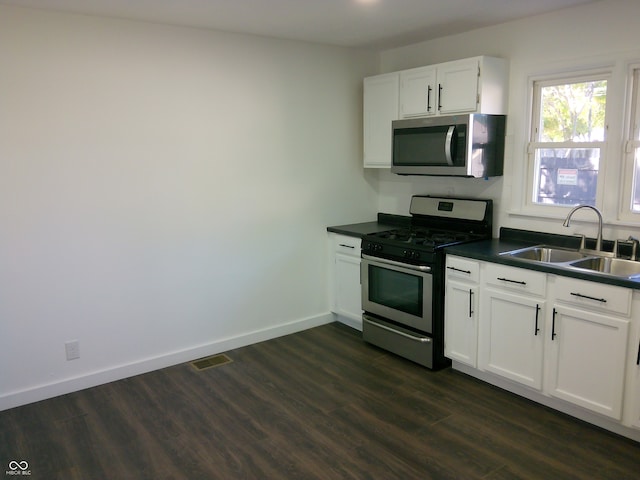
(418, 92)
(380, 109)
(458, 86)
(472, 85)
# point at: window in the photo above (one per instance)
(568, 137)
(632, 149)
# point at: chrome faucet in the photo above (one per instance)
(574, 209)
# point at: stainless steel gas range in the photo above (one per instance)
(402, 275)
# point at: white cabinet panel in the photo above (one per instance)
(418, 92)
(519, 280)
(586, 359)
(461, 322)
(458, 86)
(347, 284)
(512, 337)
(462, 269)
(379, 110)
(346, 296)
(461, 310)
(632, 399)
(593, 295)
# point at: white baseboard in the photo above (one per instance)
(351, 322)
(42, 392)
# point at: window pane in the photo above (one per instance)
(573, 112)
(635, 198)
(566, 176)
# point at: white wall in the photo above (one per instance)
(164, 192)
(604, 32)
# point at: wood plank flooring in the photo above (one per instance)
(319, 404)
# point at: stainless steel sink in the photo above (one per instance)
(618, 267)
(575, 259)
(546, 254)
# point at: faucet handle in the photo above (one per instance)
(629, 246)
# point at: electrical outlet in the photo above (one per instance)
(73, 349)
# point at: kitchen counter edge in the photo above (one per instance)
(385, 222)
(490, 251)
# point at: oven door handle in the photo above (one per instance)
(418, 268)
(402, 334)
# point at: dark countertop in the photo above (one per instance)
(490, 250)
(385, 222)
(511, 239)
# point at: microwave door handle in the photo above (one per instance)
(448, 145)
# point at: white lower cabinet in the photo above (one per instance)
(586, 359)
(570, 344)
(346, 294)
(632, 393)
(587, 344)
(512, 336)
(461, 310)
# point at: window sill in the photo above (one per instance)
(560, 218)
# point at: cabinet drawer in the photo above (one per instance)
(593, 295)
(462, 268)
(347, 245)
(516, 279)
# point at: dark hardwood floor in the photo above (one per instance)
(319, 404)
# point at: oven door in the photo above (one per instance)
(397, 291)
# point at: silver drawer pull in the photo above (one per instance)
(602, 300)
(402, 334)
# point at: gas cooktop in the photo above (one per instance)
(436, 222)
(423, 238)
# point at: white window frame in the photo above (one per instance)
(536, 83)
(630, 144)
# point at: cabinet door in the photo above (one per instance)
(380, 109)
(347, 293)
(632, 401)
(586, 359)
(511, 337)
(460, 324)
(458, 86)
(417, 92)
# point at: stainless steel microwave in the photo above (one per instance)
(470, 145)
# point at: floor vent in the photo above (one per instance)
(210, 362)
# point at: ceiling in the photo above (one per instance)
(377, 24)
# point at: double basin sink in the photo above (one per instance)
(577, 260)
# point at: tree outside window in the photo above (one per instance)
(567, 140)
